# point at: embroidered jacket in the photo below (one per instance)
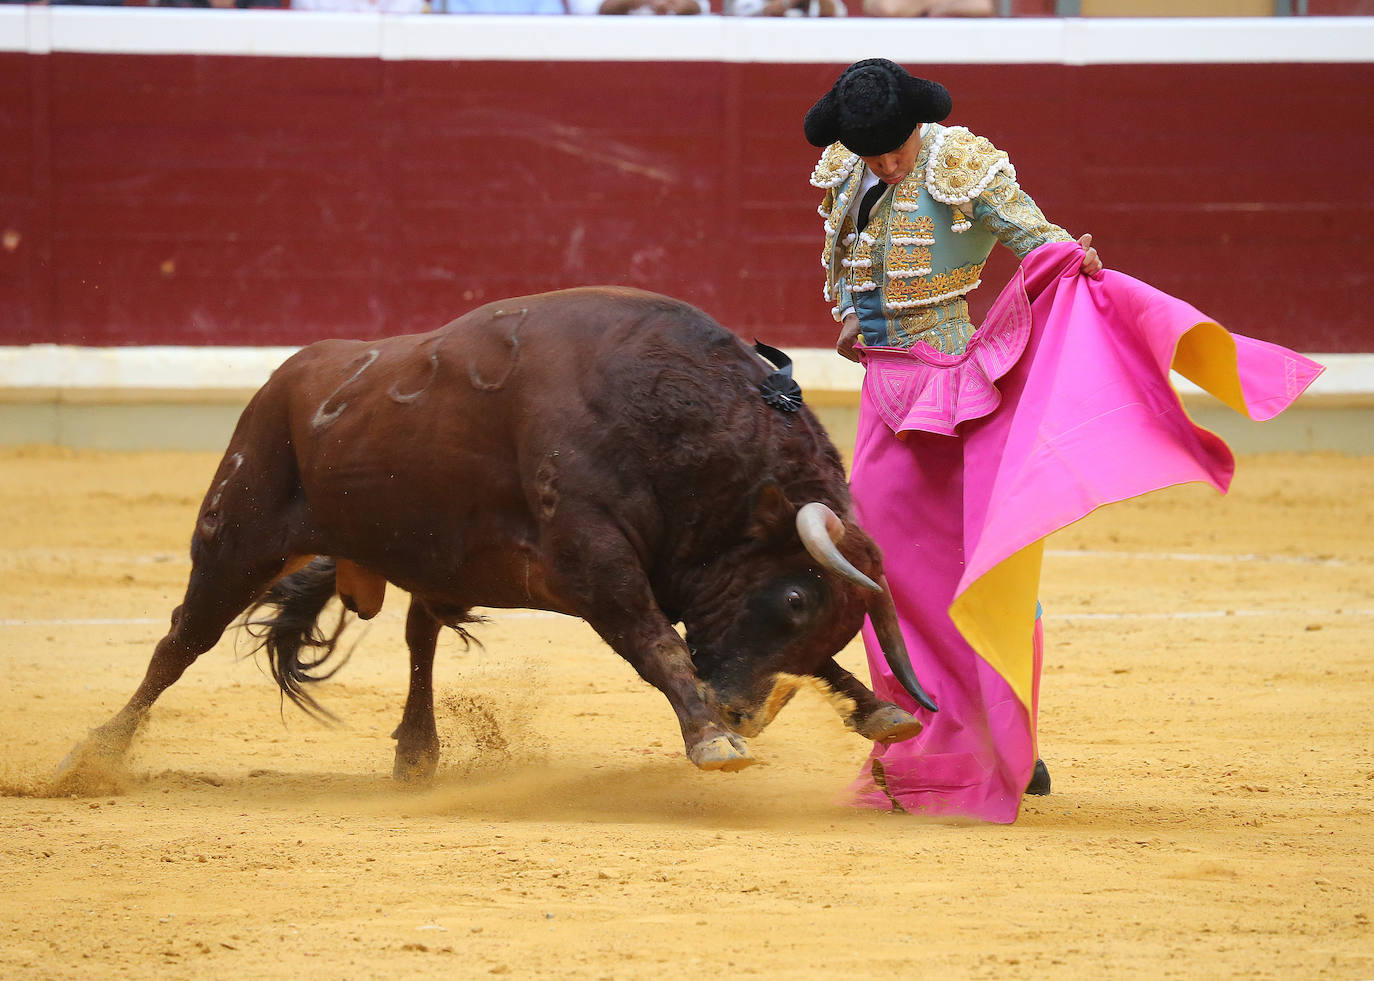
(927, 240)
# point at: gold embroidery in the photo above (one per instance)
(861, 257)
(964, 165)
(904, 262)
(838, 226)
(911, 325)
(922, 225)
(949, 336)
(909, 225)
(1017, 208)
(835, 165)
(929, 290)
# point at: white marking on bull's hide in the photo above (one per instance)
(404, 399)
(512, 340)
(323, 418)
(546, 488)
(237, 461)
(209, 521)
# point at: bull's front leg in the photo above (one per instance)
(662, 659)
(599, 576)
(864, 712)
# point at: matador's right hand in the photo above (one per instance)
(849, 336)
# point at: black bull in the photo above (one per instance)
(604, 453)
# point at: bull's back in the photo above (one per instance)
(456, 419)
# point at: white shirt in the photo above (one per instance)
(869, 180)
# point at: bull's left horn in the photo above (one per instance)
(820, 528)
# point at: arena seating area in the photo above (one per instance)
(851, 8)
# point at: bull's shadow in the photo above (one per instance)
(649, 792)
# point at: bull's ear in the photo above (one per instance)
(774, 516)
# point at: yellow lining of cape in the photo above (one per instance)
(996, 613)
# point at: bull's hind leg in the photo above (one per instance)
(417, 737)
(212, 601)
(225, 578)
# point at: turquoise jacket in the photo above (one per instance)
(908, 273)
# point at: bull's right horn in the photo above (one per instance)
(883, 615)
(820, 528)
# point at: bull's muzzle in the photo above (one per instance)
(750, 720)
(820, 529)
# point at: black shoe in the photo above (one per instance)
(1039, 785)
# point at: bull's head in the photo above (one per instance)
(799, 600)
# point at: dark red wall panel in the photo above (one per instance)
(25, 200)
(244, 200)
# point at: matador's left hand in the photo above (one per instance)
(1092, 263)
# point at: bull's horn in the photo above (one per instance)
(820, 528)
(883, 615)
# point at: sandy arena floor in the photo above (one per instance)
(1207, 719)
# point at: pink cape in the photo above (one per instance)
(964, 464)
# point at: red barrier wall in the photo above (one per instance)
(166, 199)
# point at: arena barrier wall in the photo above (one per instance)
(177, 186)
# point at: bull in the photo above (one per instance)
(599, 452)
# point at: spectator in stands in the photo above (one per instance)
(362, 6)
(498, 7)
(929, 8)
(638, 7)
(785, 8)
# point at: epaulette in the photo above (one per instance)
(962, 165)
(835, 166)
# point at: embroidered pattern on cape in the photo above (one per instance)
(918, 388)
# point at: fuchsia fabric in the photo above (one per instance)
(1062, 403)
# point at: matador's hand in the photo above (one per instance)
(1092, 263)
(849, 334)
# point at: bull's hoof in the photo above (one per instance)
(889, 724)
(94, 767)
(721, 753)
(414, 768)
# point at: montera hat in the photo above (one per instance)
(874, 106)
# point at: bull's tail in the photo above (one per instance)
(285, 621)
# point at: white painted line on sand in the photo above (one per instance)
(1088, 553)
(492, 616)
(1208, 614)
(82, 622)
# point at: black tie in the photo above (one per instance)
(870, 199)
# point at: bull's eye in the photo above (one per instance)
(795, 600)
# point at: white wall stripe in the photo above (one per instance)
(39, 29)
(51, 371)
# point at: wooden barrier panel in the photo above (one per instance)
(239, 199)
